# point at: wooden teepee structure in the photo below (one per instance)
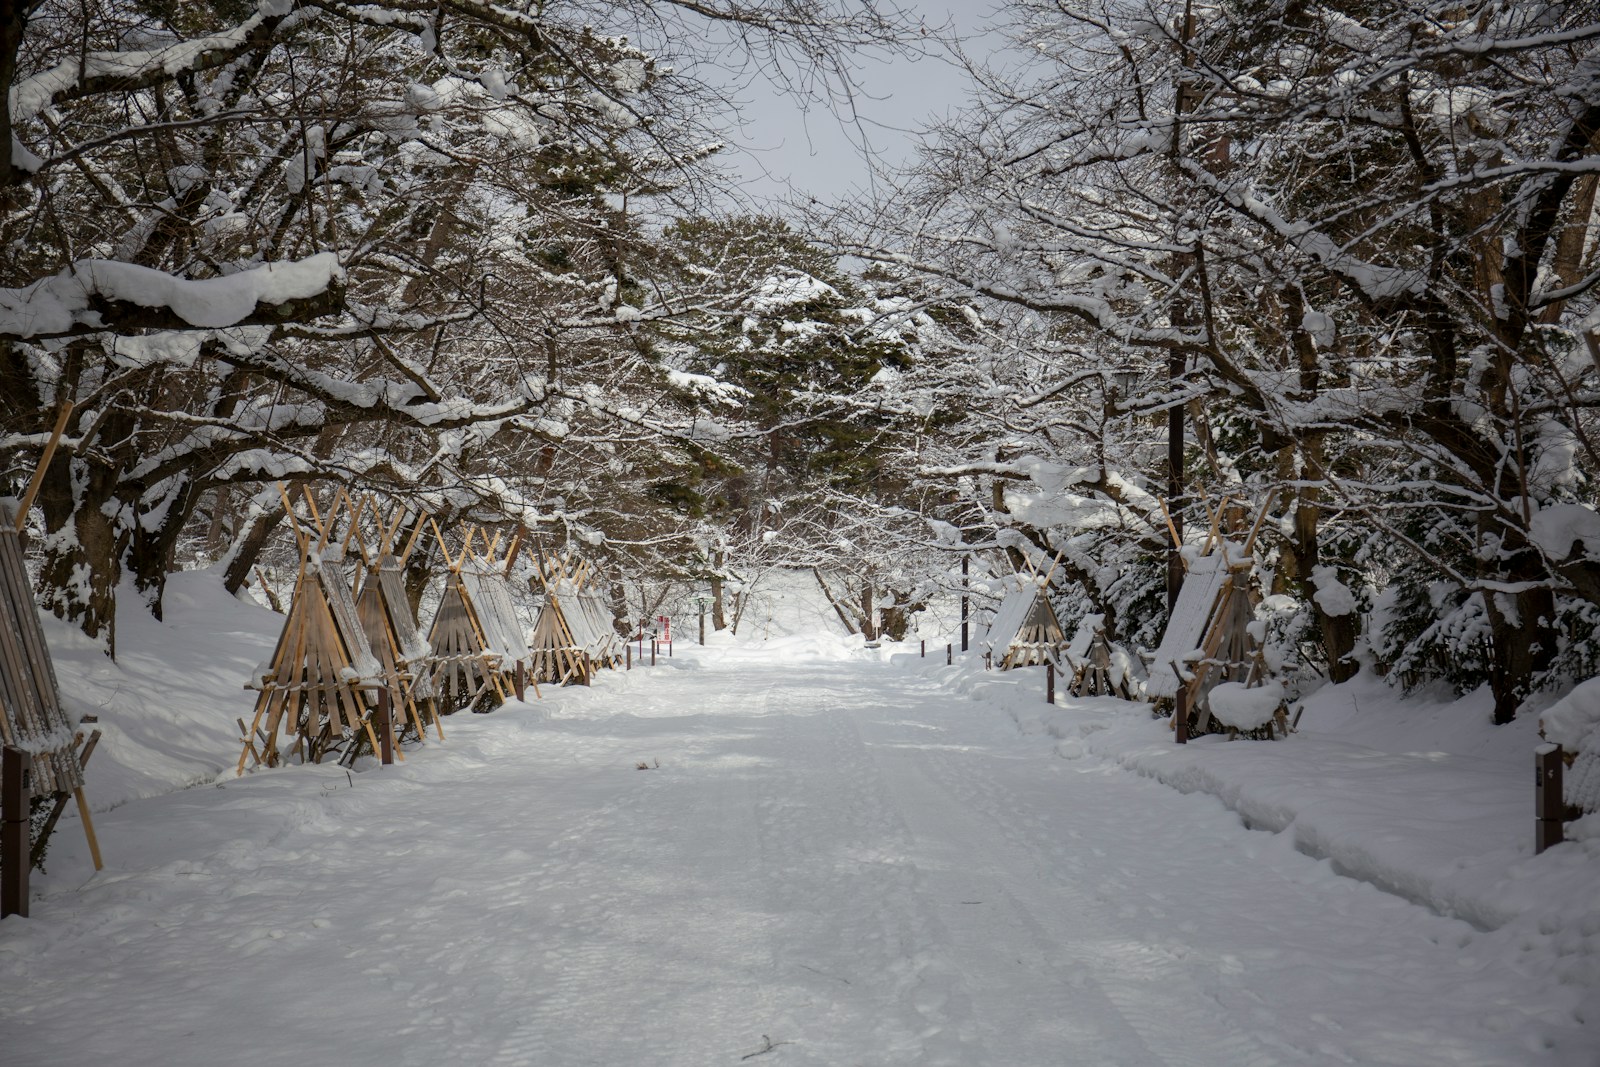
(477, 637)
(1098, 670)
(573, 633)
(322, 681)
(1025, 630)
(384, 609)
(1208, 638)
(32, 718)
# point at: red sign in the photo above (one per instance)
(664, 628)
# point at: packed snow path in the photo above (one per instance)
(833, 861)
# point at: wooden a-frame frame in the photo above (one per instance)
(1207, 639)
(32, 717)
(572, 633)
(317, 688)
(476, 637)
(385, 613)
(1090, 661)
(1025, 630)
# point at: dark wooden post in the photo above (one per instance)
(1549, 802)
(16, 770)
(1176, 367)
(588, 669)
(520, 679)
(385, 727)
(652, 652)
(629, 647)
(988, 660)
(1049, 682)
(965, 585)
(1180, 714)
(949, 655)
(924, 648)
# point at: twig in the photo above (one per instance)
(771, 1044)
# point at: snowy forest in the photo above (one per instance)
(1337, 262)
(1140, 532)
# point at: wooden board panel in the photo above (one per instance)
(34, 718)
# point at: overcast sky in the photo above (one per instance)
(784, 148)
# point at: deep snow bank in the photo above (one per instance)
(167, 704)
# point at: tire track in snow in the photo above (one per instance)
(838, 861)
(1109, 997)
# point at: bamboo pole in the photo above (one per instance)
(44, 461)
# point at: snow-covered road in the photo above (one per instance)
(834, 862)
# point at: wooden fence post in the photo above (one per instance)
(16, 770)
(629, 647)
(924, 648)
(1180, 714)
(949, 654)
(521, 680)
(1049, 682)
(385, 728)
(1549, 803)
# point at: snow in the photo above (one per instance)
(836, 855)
(1332, 596)
(1243, 708)
(1574, 721)
(1557, 527)
(32, 95)
(61, 303)
(167, 704)
(786, 290)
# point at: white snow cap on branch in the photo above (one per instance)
(1332, 596)
(1555, 529)
(60, 303)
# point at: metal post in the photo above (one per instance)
(965, 585)
(702, 624)
(653, 653)
(15, 772)
(629, 647)
(385, 727)
(1049, 682)
(924, 648)
(1549, 803)
(949, 654)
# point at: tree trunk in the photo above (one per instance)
(242, 555)
(1520, 627)
(151, 551)
(719, 613)
(1300, 558)
(869, 623)
(81, 552)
